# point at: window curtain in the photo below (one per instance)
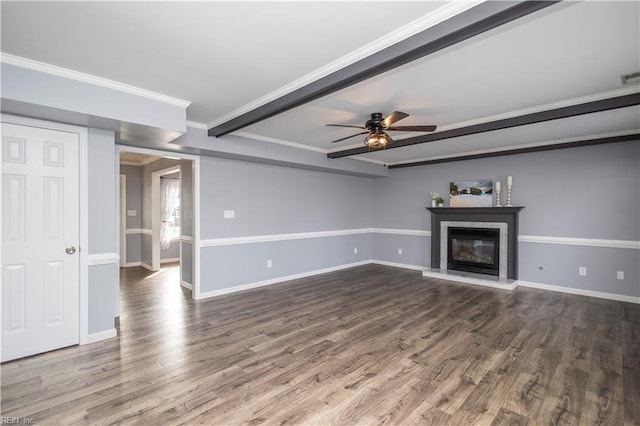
(170, 194)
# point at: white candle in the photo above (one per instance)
(497, 185)
(509, 180)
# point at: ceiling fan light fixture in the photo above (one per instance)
(376, 140)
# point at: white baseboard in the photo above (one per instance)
(581, 292)
(398, 265)
(250, 286)
(186, 285)
(465, 280)
(170, 260)
(130, 264)
(146, 266)
(102, 335)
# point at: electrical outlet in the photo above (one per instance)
(400, 251)
(582, 271)
(269, 263)
(620, 275)
(229, 214)
(355, 250)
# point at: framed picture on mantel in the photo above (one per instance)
(471, 193)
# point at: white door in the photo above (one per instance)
(40, 238)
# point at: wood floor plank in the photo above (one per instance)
(364, 346)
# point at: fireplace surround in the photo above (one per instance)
(505, 219)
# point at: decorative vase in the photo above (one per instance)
(440, 204)
(433, 203)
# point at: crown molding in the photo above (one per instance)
(433, 18)
(18, 61)
(515, 147)
(196, 125)
(255, 136)
(261, 138)
(544, 107)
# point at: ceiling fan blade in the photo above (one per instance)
(349, 137)
(346, 125)
(412, 128)
(393, 117)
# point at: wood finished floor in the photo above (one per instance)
(367, 345)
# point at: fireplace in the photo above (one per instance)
(501, 221)
(474, 250)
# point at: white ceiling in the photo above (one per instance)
(222, 56)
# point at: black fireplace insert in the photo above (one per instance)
(474, 250)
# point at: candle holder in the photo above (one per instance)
(509, 196)
(498, 198)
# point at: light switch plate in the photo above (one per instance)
(131, 212)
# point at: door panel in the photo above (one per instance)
(40, 219)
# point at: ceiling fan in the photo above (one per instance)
(376, 126)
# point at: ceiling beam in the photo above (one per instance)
(521, 120)
(565, 145)
(477, 20)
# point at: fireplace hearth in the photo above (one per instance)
(474, 250)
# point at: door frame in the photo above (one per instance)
(122, 231)
(156, 223)
(195, 294)
(83, 176)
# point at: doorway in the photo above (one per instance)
(146, 228)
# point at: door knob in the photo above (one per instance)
(70, 250)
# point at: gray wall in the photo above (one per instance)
(103, 279)
(590, 192)
(274, 200)
(134, 202)
(278, 200)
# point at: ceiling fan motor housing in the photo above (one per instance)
(375, 123)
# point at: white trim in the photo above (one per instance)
(90, 79)
(102, 335)
(156, 223)
(412, 232)
(261, 138)
(398, 265)
(103, 259)
(195, 264)
(147, 266)
(196, 125)
(186, 285)
(83, 175)
(121, 224)
(433, 18)
(249, 286)
(216, 242)
(580, 292)
(169, 260)
(186, 239)
(252, 239)
(130, 264)
(584, 242)
(138, 231)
